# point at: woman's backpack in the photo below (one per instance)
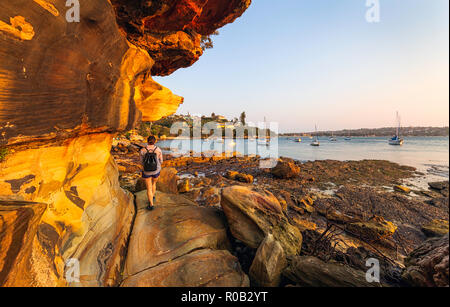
(150, 161)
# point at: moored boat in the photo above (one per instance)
(316, 142)
(396, 140)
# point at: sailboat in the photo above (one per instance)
(316, 140)
(396, 140)
(332, 138)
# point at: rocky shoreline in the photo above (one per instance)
(68, 89)
(61, 205)
(309, 216)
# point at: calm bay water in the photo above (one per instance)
(428, 154)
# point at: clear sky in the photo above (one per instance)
(301, 62)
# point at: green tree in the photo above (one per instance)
(242, 118)
(207, 42)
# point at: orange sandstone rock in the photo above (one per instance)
(78, 181)
(252, 215)
(168, 181)
(180, 244)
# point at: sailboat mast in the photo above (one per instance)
(265, 128)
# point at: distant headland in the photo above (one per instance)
(374, 132)
(162, 128)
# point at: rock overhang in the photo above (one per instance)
(61, 80)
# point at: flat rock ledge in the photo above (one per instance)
(180, 244)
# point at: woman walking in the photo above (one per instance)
(151, 160)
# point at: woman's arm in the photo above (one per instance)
(141, 156)
(160, 156)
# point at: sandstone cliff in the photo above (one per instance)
(65, 89)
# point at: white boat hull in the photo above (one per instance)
(396, 142)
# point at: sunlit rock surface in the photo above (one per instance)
(18, 225)
(65, 90)
(180, 244)
(88, 215)
(171, 30)
(72, 78)
(252, 215)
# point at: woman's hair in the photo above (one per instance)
(151, 140)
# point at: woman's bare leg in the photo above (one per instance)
(149, 186)
(154, 181)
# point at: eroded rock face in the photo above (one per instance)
(180, 244)
(61, 78)
(308, 271)
(18, 227)
(252, 215)
(171, 31)
(428, 265)
(65, 89)
(87, 217)
(72, 78)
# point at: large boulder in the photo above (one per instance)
(285, 170)
(168, 180)
(428, 265)
(269, 263)
(308, 271)
(179, 244)
(254, 214)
